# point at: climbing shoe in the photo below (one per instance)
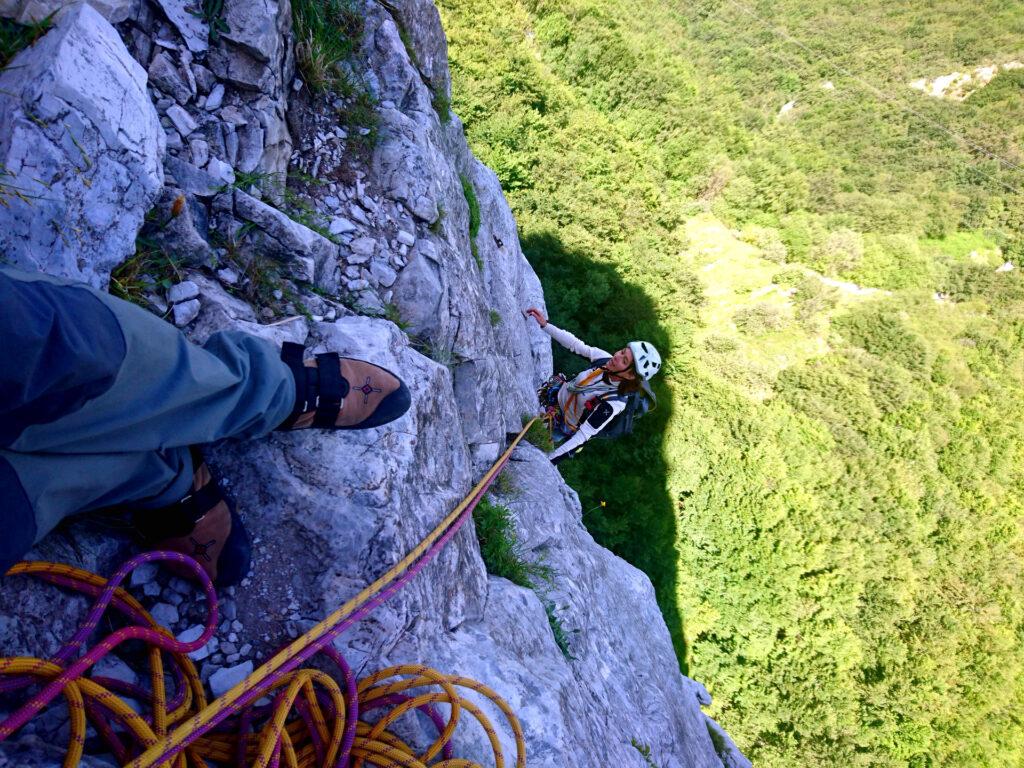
(335, 392)
(203, 526)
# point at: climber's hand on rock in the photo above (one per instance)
(537, 315)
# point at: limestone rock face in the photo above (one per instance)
(469, 306)
(28, 11)
(83, 148)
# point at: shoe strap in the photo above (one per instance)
(321, 389)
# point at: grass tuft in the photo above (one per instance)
(15, 38)
(327, 33)
(148, 270)
(500, 547)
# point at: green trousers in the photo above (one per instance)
(127, 445)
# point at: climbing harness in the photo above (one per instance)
(312, 721)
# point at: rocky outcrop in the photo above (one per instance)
(81, 147)
(268, 213)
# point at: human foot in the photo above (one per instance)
(335, 392)
(203, 526)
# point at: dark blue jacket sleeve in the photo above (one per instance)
(59, 347)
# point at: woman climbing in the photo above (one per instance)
(104, 405)
(582, 407)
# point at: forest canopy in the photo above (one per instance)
(830, 498)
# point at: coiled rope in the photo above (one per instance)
(310, 720)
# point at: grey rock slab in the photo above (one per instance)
(164, 614)
(193, 180)
(364, 247)
(182, 120)
(114, 668)
(221, 171)
(80, 138)
(226, 678)
(384, 274)
(283, 238)
(257, 26)
(216, 98)
(165, 75)
(184, 234)
(186, 312)
(183, 291)
(200, 151)
(191, 27)
(28, 11)
(340, 225)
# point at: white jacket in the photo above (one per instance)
(574, 408)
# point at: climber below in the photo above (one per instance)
(580, 408)
(103, 405)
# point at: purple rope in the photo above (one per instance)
(53, 689)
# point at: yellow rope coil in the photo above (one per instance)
(283, 738)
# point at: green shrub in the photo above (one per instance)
(759, 319)
(768, 240)
(840, 252)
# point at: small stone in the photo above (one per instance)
(183, 291)
(221, 170)
(229, 647)
(200, 152)
(233, 658)
(174, 139)
(297, 85)
(216, 97)
(358, 285)
(232, 637)
(331, 315)
(229, 609)
(246, 649)
(223, 680)
(340, 224)
(406, 238)
(278, 294)
(157, 303)
(114, 668)
(164, 614)
(228, 276)
(384, 274)
(186, 312)
(363, 246)
(152, 589)
(182, 120)
(205, 79)
(303, 268)
(173, 597)
(180, 585)
(144, 574)
(237, 626)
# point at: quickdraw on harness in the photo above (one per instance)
(554, 415)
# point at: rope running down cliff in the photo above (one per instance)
(300, 744)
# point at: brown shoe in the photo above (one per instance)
(342, 393)
(203, 526)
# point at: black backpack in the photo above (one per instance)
(637, 404)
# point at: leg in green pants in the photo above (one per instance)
(130, 443)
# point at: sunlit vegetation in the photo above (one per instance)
(830, 497)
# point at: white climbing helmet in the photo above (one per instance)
(646, 359)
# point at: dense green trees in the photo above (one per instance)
(830, 499)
